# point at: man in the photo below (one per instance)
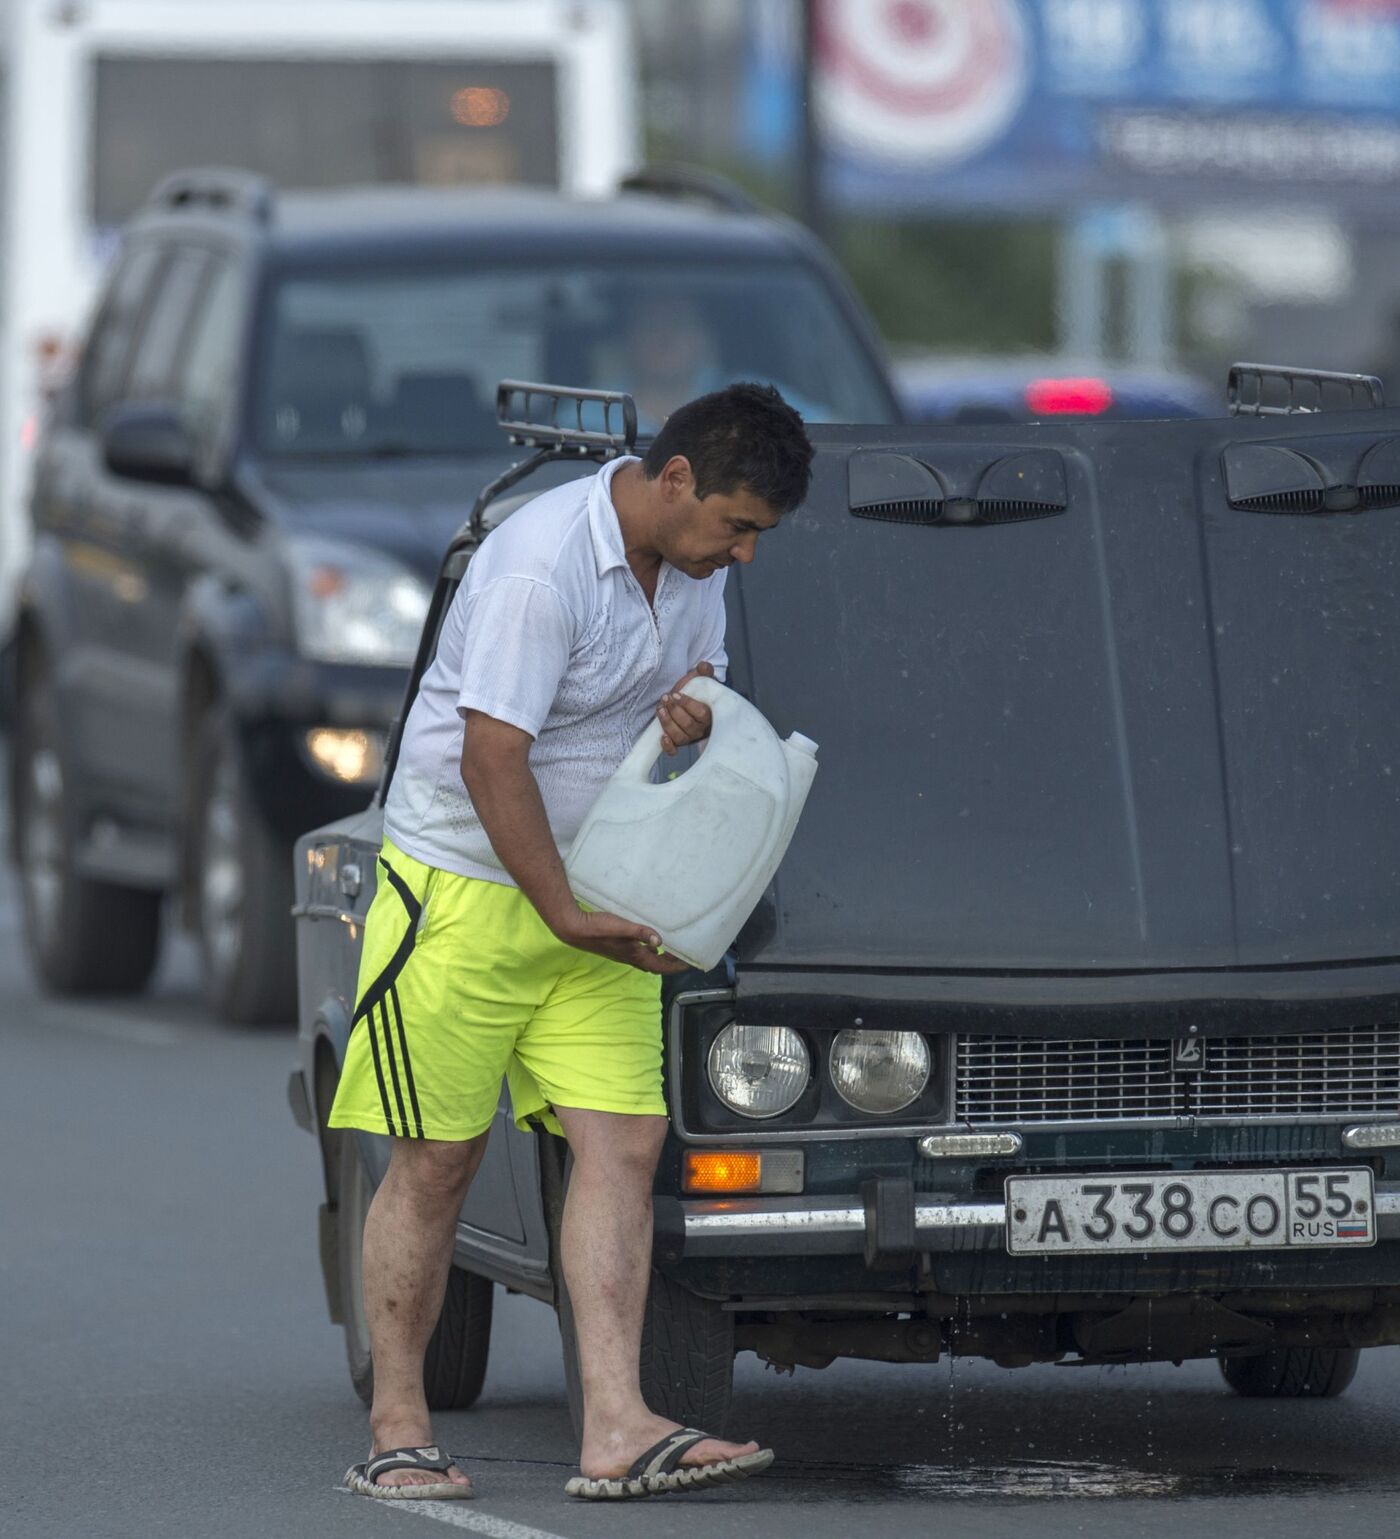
(584, 613)
(666, 352)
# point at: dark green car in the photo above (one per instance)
(1070, 1029)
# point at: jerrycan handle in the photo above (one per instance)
(647, 749)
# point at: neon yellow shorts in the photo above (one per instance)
(461, 982)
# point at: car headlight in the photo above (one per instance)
(879, 1071)
(355, 605)
(759, 1071)
(350, 754)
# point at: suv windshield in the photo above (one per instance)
(407, 361)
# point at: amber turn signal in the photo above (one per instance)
(724, 1170)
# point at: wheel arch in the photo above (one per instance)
(325, 1076)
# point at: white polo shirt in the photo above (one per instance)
(551, 632)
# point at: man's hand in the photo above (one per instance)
(620, 939)
(682, 719)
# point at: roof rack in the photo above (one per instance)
(215, 188)
(1276, 390)
(525, 421)
(531, 415)
(700, 186)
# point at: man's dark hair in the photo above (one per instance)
(744, 435)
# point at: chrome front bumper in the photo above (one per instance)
(833, 1226)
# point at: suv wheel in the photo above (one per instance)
(1292, 1373)
(242, 885)
(454, 1365)
(687, 1360)
(86, 937)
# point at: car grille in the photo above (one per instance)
(1350, 1072)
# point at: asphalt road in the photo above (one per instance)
(167, 1367)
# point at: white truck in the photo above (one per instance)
(103, 98)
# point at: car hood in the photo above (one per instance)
(1150, 732)
(407, 508)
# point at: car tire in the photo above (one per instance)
(86, 937)
(241, 885)
(454, 1365)
(1292, 1373)
(687, 1356)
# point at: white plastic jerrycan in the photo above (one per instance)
(691, 856)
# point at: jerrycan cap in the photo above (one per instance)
(802, 744)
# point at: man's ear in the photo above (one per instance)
(677, 479)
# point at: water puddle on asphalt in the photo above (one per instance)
(1037, 1480)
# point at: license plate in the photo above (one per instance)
(1236, 1210)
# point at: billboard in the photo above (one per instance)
(1027, 105)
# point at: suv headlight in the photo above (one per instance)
(879, 1071)
(355, 605)
(759, 1071)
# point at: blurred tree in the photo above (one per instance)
(939, 283)
(944, 284)
(954, 285)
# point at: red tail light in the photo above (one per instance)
(1058, 397)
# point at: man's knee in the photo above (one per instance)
(645, 1137)
(435, 1168)
(615, 1146)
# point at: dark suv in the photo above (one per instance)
(284, 409)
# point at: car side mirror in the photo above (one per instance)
(148, 442)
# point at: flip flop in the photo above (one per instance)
(659, 1470)
(361, 1478)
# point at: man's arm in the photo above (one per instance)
(506, 796)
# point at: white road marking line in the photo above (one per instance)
(461, 1515)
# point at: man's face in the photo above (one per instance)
(705, 534)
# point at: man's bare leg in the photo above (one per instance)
(607, 1264)
(407, 1254)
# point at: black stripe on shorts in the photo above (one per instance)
(393, 1067)
(407, 1066)
(395, 965)
(376, 999)
(379, 1074)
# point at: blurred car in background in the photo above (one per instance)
(1031, 388)
(284, 410)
